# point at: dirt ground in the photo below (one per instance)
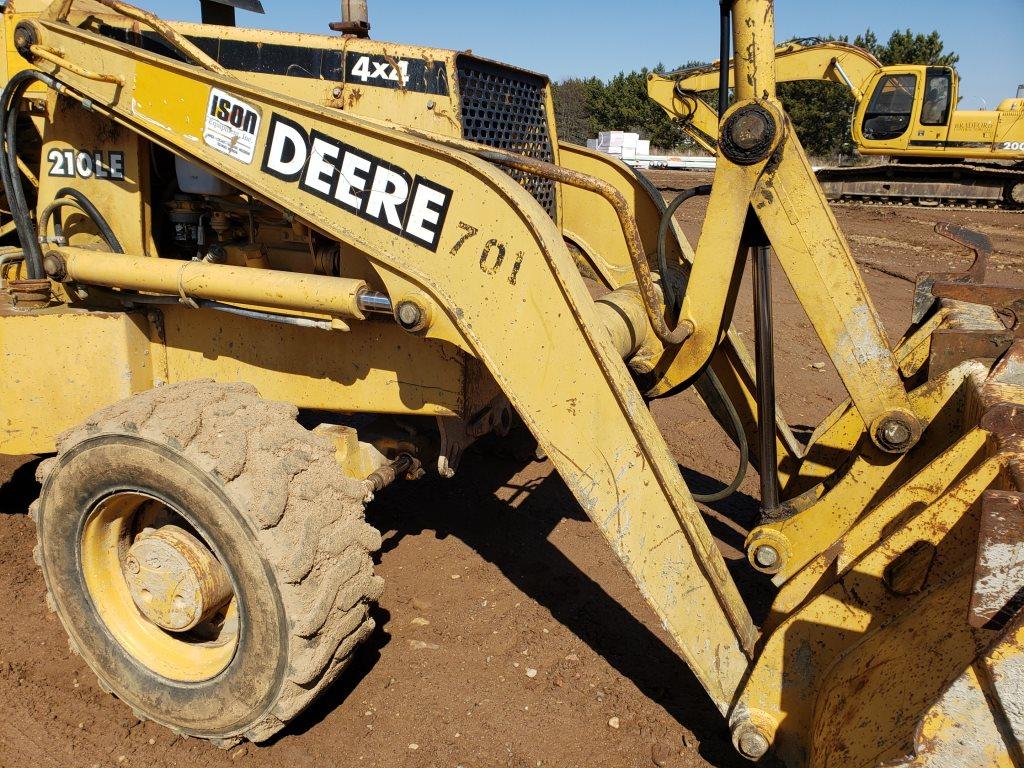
(509, 635)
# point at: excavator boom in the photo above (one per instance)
(902, 112)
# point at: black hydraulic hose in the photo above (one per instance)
(52, 211)
(93, 213)
(671, 299)
(11, 176)
(741, 443)
(724, 56)
(765, 365)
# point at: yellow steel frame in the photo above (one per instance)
(529, 318)
(576, 395)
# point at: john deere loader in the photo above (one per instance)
(252, 279)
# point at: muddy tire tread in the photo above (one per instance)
(305, 514)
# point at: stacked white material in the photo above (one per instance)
(619, 143)
(626, 146)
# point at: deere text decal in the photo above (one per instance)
(378, 191)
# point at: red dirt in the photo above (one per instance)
(510, 635)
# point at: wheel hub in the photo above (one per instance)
(174, 580)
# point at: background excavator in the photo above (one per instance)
(936, 154)
(260, 277)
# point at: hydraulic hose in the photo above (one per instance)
(724, 55)
(9, 103)
(741, 443)
(52, 211)
(674, 301)
(93, 213)
(671, 299)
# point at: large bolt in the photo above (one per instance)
(894, 434)
(749, 134)
(750, 129)
(750, 741)
(412, 315)
(753, 745)
(766, 556)
(55, 266)
(25, 37)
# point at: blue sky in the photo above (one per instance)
(582, 37)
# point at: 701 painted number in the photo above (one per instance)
(492, 257)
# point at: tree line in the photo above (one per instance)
(821, 111)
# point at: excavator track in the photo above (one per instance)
(947, 185)
(899, 184)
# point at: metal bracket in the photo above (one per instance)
(999, 572)
(977, 243)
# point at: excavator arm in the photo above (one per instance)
(679, 93)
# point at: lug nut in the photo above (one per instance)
(766, 556)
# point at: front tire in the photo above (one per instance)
(204, 484)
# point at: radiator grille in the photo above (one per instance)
(507, 109)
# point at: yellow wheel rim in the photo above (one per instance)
(111, 529)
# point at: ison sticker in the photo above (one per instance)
(231, 126)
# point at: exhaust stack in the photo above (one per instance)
(222, 12)
(355, 19)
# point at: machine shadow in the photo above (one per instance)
(516, 541)
(19, 487)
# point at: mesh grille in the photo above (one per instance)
(507, 109)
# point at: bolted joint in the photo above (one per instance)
(26, 34)
(766, 556)
(55, 266)
(768, 550)
(750, 741)
(413, 314)
(749, 135)
(897, 432)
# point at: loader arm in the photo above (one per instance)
(481, 245)
(510, 295)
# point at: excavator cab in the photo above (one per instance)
(906, 109)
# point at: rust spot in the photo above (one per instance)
(354, 96)
(402, 85)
